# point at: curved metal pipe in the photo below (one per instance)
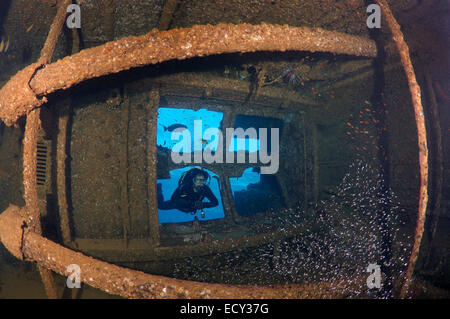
(28, 88)
(27, 91)
(414, 89)
(25, 244)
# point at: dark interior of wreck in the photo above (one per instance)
(346, 191)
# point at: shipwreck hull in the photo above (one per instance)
(120, 224)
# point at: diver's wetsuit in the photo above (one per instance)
(185, 199)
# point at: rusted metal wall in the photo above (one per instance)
(181, 44)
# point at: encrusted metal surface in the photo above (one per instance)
(135, 284)
(27, 91)
(158, 46)
(421, 137)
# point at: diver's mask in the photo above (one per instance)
(199, 181)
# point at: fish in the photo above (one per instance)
(6, 46)
(203, 141)
(441, 92)
(29, 28)
(2, 44)
(174, 127)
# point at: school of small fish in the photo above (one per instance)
(4, 41)
(364, 128)
(337, 244)
(4, 44)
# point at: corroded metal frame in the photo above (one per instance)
(28, 89)
(28, 245)
(416, 96)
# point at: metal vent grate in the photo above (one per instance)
(41, 164)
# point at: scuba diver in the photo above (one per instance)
(189, 195)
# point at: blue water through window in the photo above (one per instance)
(170, 119)
(250, 176)
(255, 193)
(252, 191)
(244, 144)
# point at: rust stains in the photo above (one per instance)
(28, 245)
(414, 89)
(17, 98)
